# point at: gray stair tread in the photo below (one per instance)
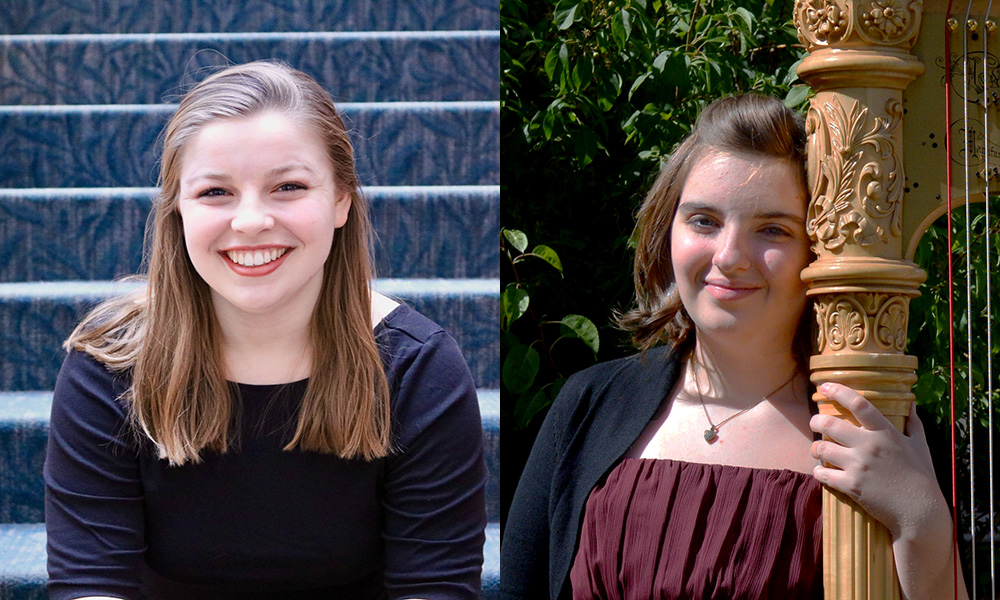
(396, 143)
(22, 555)
(132, 16)
(155, 68)
(22, 552)
(404, 288)
(35, 318)
(58, 234)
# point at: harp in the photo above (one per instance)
(881, 70)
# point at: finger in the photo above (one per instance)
(831, 454)
(839, 430)
(836, 479)
(863, 411)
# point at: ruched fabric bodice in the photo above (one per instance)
(665, 529)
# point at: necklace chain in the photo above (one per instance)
(712, 433)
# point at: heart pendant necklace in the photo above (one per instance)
(712, 433)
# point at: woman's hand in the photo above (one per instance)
(890, 474)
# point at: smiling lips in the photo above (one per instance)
(729, 291)
(255, 262)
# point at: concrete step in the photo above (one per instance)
(24, 422)
(97, 233)
(155, 68)
(36, 317)
(210, 16)
(396, 143)
(23, 575)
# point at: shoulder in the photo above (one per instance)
(84, 373)
(88, 394)
(602, 387)
(428, 378)
(405, 335)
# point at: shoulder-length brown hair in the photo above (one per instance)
(168, 336)
(748, 124)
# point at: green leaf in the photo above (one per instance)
(520, 368)
(661, 60)
(515, 302)
(552, 63)
(585, 144)
(548, 255)
(637, 83)
(529, 406)
(583, 72)
(582, 328)
(548, 123)
(796, 95)
(516, 238)
(746, 15)
(703, 22)
(564, 57)
(565, 17)
(618, 30)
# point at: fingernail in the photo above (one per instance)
(824, 388)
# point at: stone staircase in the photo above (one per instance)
(85, 89)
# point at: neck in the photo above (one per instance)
(266, 349)
(739, 376)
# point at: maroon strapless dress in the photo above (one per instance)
(665, 529)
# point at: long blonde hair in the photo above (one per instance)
(168, 336)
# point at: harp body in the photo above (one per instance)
(878, 68)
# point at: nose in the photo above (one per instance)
(251, 215)
(733, 250)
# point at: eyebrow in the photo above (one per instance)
(280, 170)
(691, 207)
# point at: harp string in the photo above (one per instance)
(967, 151)
(988, 27)
(951, 290)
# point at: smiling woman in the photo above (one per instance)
(692, 470)
(257, 422)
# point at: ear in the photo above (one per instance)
(341, 209)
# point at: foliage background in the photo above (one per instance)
(595, 95)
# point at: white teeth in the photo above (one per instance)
(256, 258)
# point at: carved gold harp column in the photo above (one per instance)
(859, 63)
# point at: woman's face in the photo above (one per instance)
(738, 244)
(259, 204)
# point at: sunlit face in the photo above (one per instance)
(260, 206)
(738, 245)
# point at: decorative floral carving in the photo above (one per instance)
(856, 175)
(853, 320)
(888, 17)
(845, 323)
(821, 22)
(891, 323)
(889, 21)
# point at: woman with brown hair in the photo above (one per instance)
(256, 421)
(692, 470)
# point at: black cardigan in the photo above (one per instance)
(598, 415)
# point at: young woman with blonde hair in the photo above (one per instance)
(256, 421)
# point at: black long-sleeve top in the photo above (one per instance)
(260, 522)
